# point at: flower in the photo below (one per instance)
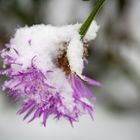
(44, 67)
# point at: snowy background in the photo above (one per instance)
(114, 60)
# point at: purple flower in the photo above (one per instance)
(46, 82)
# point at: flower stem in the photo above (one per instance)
(89, 20)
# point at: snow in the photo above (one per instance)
(45, 42)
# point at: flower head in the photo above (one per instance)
(44, 67)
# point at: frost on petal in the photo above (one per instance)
(75, 55)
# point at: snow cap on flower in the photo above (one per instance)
(45, 72)
(92, 31)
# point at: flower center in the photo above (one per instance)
(64, 63)
(62, 60)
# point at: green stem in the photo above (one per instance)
(87, 23)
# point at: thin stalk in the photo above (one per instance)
(87, 23)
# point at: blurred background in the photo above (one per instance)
(114, 60)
